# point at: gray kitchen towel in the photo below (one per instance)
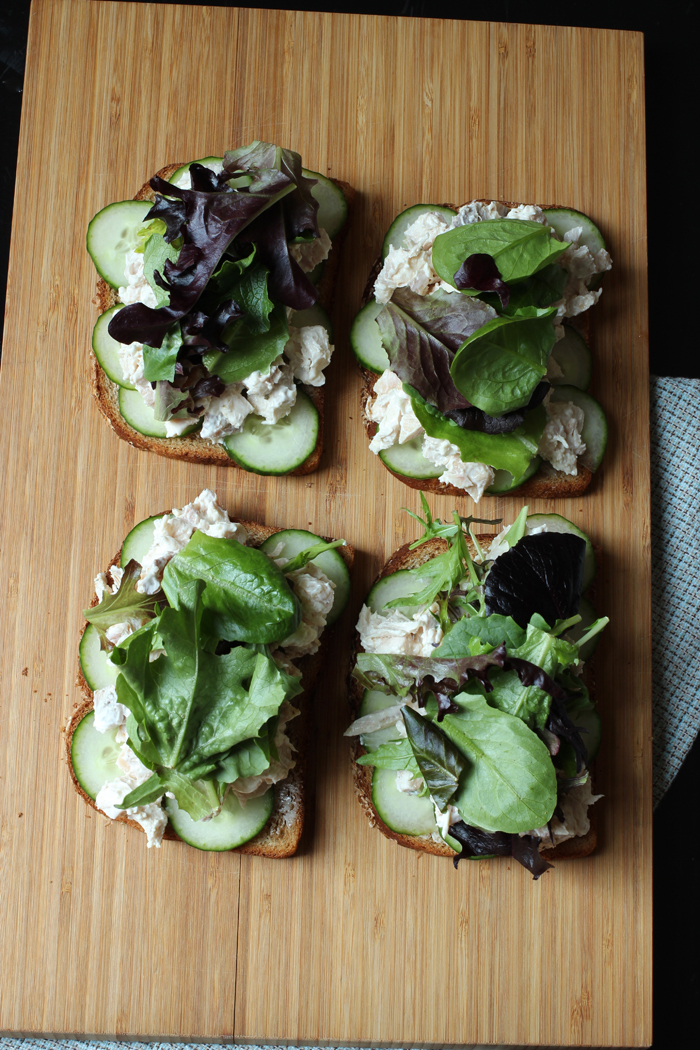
(675, 501)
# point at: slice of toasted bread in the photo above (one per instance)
(547, 483)
(292, 796)
(193, 447)
(404, 558)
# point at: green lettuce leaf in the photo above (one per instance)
(159, 361)
(247, 597)
(510, 782)
(155, 253)
(486, 631)
(499, 366)
(396, 754)
(518, 247)
(249, 351)
(126, 606)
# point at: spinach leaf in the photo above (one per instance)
(499, 366)
(519, 247)
(513, 452)
(395, 754)
(126, 606)
(440, 762)
(487, 631)
(510, 783)
(159, 362)
(249, 352)
(247, 597)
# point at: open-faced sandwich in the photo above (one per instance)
(473, 729)
(197, 661)
(471, 342)
(214, 284)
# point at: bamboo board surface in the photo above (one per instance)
(355, 940)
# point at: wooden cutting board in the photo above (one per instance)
(355, 940)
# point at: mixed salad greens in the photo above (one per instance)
(495, 726)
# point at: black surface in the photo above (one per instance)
(672, 108)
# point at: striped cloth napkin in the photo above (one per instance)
(675, 501)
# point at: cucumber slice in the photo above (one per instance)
(503, 480)
(139, 540)
(233, 826)
(332, 206)
(296, 540)
(206, 161)
(110, 235)
(588, 719)
(397, 585)
(564, 219)
(279, 447)
(595, 426)
(574, 358)
(408, 459)
(373, 700)
(140, 416)
(556, 523)
(313, 315)
(97, 670)
(366, 340)
(106, 349)
(588, 616)
(94, 756)
(405, 814)
(395, 233)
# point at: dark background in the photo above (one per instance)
(670, 32)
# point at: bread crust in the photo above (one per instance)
(404, 558)
(194, 448)
(547, 483)
(280, 837)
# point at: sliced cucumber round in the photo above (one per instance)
(396, 585)
(332, 206)
(575, 360)
(97, 670)
(373, 700)
(139, 540)
(395, 233)
(94, 756)
(106, 349)
(232, 827)
(276, 448)
(111, 234)
(366, 340)
(503, 480)
(595, 426)
(312, 315)
(564, 219)
(408, 459)
(296, 540)
(206, 161)
(556, 523)
(588, 616)
(141, 417)
(406, 814)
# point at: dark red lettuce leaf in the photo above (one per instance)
(540, 574)
(478, 843)
(287, 282)
(559, 722)
(206, 332)
(210, 223)
(479, 271)
(450, 318)
(300, 207)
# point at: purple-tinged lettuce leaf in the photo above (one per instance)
(541, 574)
(450, 318)
(300, 207)
(287, 281)
(478, 843)
(526, 852)
(479, 273)
(207, 332)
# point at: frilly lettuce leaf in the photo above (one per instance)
(126, 606)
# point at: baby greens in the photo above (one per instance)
(518, 247)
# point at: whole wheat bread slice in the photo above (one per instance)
(547, 483)
(292, 796)
(404, 558)
(194, 448)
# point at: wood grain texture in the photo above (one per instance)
(354, 940)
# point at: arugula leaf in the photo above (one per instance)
(309, 553)
(249, 352)
(518, 246)
(126, 606)
(247, 597)
(512, 452)
(499, 366)
(159, 362)
(440, 762)
(510, 784)
(396, 754)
